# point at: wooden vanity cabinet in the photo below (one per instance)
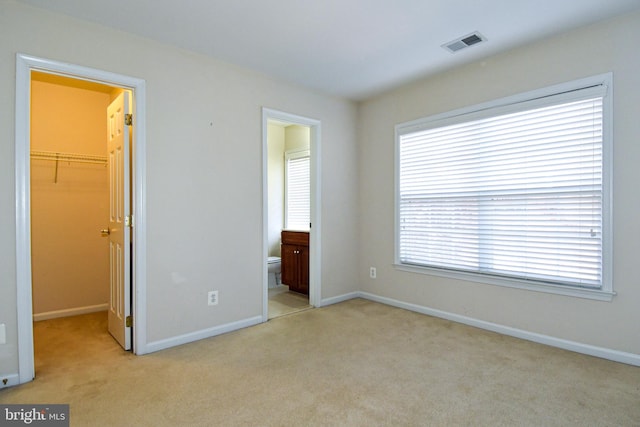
(295, 260)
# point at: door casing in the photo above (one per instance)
(25, 64)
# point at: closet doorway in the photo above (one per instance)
(80, 197)
(291, 217)
(133, 247)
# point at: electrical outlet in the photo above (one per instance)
(212, 298)
(372, 272)
(3, 334)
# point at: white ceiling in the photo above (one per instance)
(349, 48)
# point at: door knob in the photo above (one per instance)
(105, 232)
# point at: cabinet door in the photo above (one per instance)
(289, 265)
(303, 269)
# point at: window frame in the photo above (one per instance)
(502, 106)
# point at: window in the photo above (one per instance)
(297, 198)
(513, 192)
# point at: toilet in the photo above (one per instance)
(273, 271)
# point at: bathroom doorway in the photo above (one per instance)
(291, 214)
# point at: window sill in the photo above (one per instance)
(593, 294)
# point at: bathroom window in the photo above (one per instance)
(297, 190)
(513, 192)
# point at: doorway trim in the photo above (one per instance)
(25, 64)
(315, 270)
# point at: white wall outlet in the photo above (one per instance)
(372, 272)
(3, 333)
(212, 298)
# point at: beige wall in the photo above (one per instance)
(275, 141)
(203, 175)
(608, 46)
(297, 138)
(70, 260)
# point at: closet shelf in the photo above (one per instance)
(68, 157)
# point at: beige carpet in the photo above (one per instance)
(357, 363)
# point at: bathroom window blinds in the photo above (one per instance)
(514, 191)
(297, 194)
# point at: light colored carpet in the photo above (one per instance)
(283, 302)
(357, 363)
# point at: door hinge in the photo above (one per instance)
(129, 321)
(128, 119)
(128, 221)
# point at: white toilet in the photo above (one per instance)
(273, 271)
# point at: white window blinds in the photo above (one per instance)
(297, 214)
(515, 193)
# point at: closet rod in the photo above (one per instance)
(68, 157)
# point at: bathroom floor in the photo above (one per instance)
(283, 302)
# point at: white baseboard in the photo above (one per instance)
(9, 380)
(339, 298)
(70, 312)
(202, 334)
(604, 353)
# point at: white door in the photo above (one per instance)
(119, 220)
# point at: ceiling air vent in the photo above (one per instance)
(465, 41)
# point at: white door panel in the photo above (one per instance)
(119, 212)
